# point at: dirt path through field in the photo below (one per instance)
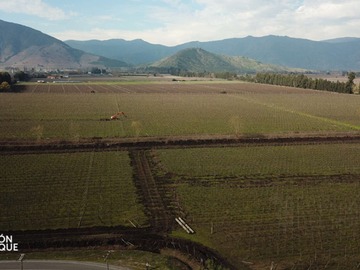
(152, 189)
(146, 143)
(160, 217)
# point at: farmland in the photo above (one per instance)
(270, 201)
(171, 109)
(267, 160)
(283, 188)
(69, 190)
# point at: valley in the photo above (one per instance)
(261, 177)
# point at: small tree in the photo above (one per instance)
(5, 77)
(5, 86)
(350, 83)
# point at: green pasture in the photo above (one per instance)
(67, 190)
(41, 116)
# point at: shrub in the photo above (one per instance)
(5, 86)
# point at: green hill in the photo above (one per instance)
(199, 60)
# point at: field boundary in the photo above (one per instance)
(173, 142)
(152, 189)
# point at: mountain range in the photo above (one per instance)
(336, 54)
(21, 46)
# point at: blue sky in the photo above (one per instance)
(172, 22)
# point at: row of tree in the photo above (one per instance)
(302, 81)
(6, 80)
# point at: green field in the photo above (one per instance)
(263, 203)
(189, 109)
(67, 190)
(289, 223)
(296, 204)
(264, 160)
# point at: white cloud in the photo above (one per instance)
(213, 19)
(329, 10)
(34, 7)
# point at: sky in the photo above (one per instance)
(173, 22)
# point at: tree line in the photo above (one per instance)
(302, 81)
(6, 80)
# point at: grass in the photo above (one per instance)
(67, 190)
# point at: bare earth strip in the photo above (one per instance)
(175, 142)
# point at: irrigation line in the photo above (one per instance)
(121, 122)
(86, 191)
(33, 91)
(77, 88)
(299, 113)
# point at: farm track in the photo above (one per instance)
(160, 217)
(121, 238)
(151, 189)
(153, 238)
(141, 143)
(155, 192)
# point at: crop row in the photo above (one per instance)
(269, 202)
(338, 109)
(120, 87)
(73, 116)
(67, 191)
(273, 223)
(264, 160)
